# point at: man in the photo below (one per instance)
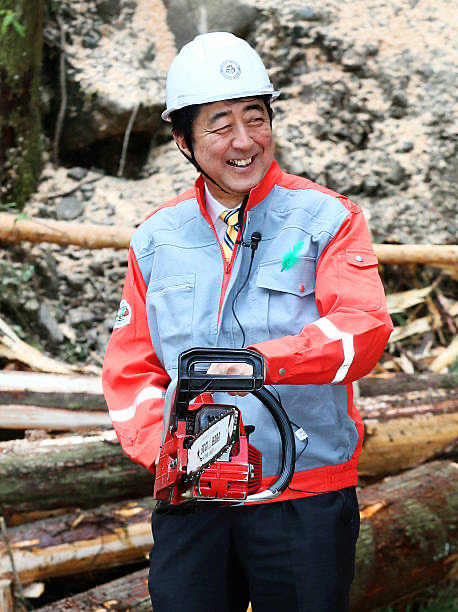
(308, 298)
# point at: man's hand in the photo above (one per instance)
(234, 369)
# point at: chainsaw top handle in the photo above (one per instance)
(193, 376)
(193, 379)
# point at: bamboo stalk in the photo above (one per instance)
(91, 236)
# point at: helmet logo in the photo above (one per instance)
(230, 69)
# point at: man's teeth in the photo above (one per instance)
(240, 162)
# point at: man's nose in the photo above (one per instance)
(242, 138)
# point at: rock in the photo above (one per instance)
(353, 61)
(96, 267)
(397, 174)
(87, 191)
(188, 18)
(69, 208)
(308, 13)
(363, 85)
(80, 317)
(90, 42)
(405, 147)
(107, 9)
(75, 280)
(110, 70)
(390, 69)
(77, 174)
(48, 324)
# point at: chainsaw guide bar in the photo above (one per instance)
(211, 443)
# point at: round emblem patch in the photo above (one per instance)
(230, 69)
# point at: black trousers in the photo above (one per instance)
(291, 556)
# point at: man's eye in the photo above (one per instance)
(223, 128)
(257, 120)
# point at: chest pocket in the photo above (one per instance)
(290, 295)
(170, 309)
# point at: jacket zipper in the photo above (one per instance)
(227, 273)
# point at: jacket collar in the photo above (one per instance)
(257, 194)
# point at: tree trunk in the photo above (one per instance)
(408, 535)
(20, 123)
(67, 472)
(108, 536)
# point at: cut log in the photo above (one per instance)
(417, 254)
(407, 530)
(36, 417)
(66, 472)
(404, 430)
(76, 391)
(6, 596)
(12, 347)
(404, 383)
(90, 236)
(408, 537)
(109, 536)
(54, 391)
(126, 594)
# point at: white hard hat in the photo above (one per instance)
(213, 67)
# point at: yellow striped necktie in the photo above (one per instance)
(231, 218)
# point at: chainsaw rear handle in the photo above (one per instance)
(187, 385)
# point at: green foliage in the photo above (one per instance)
(10, 18)
(15, 276)
(9, 207)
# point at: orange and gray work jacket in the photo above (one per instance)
(321, 324)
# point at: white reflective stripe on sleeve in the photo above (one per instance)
(126, 414)
(331, 331)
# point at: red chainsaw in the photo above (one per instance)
(205, 453)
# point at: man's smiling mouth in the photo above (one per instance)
(241, 163)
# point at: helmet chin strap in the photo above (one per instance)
(195, 163)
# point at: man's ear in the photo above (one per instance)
(181, 143)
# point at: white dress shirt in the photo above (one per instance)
(214, 209)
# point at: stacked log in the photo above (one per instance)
(71, 501)
(79, 471)
(30, 400)
(107, 536)
(407, 528)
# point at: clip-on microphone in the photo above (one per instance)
(255, 239)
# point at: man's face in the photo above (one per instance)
(233, 144)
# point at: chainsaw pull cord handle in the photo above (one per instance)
(288, 444)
